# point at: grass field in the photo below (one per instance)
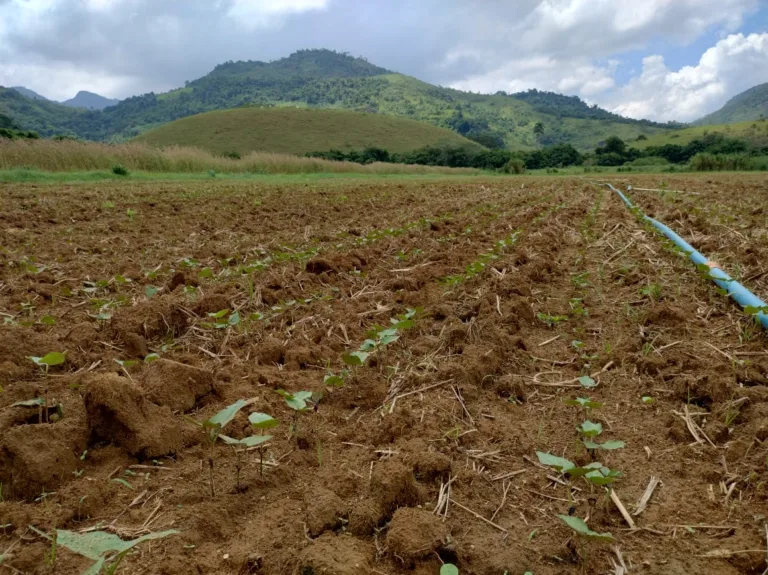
(299, 131)
(21, 159)
(454, 352)
(756, 132)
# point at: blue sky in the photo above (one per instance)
(659, 59)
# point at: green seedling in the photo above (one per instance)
(212, 428)
(48, 320)
(131, 213)
(587, 382)
(223, 319)
(150, 291)
(584, 402)
(262, 422)
(647, 400)
(49, 360)
(299, 402)
(551, 320)
(595, 473)
(449, 569)
(652, 291)
(106, 549)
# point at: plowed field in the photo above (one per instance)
(449, 326)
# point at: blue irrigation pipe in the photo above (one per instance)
(734, 289)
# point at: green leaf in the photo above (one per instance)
(296, 401)
(123, 482)
(250, 441)
(96, 544)
(368, 345)
(234, 319)
(30, 403)
(48, 320)
(558, 463)
(590, 429)
(355, 358)
(449, 569)
(226, 415)
(151, 357)
(54, 358)
(150, 291)
(262, 420)
(333, 380)
(583, 402)
(602, 476)
(587, 382)
(206, 273)
(126, 362)
(647, 400)
(578, 525)
(219, 314)
(613, 444)
(583, 471)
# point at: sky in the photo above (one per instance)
(657, 59)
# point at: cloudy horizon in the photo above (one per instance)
(661, 59)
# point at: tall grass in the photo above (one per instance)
(67, 156)
(715, 162)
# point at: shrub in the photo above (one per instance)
(119, 170)
(514, 166)
(712, 162)
(649, 161)
(231, 155)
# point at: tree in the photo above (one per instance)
(538, 129)
(614, 145)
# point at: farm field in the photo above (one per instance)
(470, 348)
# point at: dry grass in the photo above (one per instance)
(70, 156)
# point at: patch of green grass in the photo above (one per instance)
(299, 131)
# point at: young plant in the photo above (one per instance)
(300, 402)
(212, 428)
(262, 422)
(49, 360)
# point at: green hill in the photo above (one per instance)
(326, 79)
(748, 106)
(754, 132)
(298, 131)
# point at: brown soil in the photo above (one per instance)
(467, 396)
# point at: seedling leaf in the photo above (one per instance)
(96, 544)
(334, 380)
(219, 314)
(48, 320)
(587, 382)
(583, 402)
(590, 429)
(151, 357)
(250, 441)
(30, 403)
(150, 291)
(355, 358)
(558, 463)
(578, 525)
(122, 481)
(226, 415)
(449, 569)
(262, 420)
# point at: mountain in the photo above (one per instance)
(746, 107)
(89, 101)
(299, 131)
(29, 93)
(326, 79)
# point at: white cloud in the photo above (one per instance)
(255, 13)
(731, 66)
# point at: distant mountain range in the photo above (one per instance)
(82, 99)
(746, 107)
(327, 79)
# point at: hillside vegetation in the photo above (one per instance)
(748, 106)
(756, 133)
(300, 131)
(326, 79)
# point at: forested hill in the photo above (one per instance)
(326, 79)
(746, 107)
